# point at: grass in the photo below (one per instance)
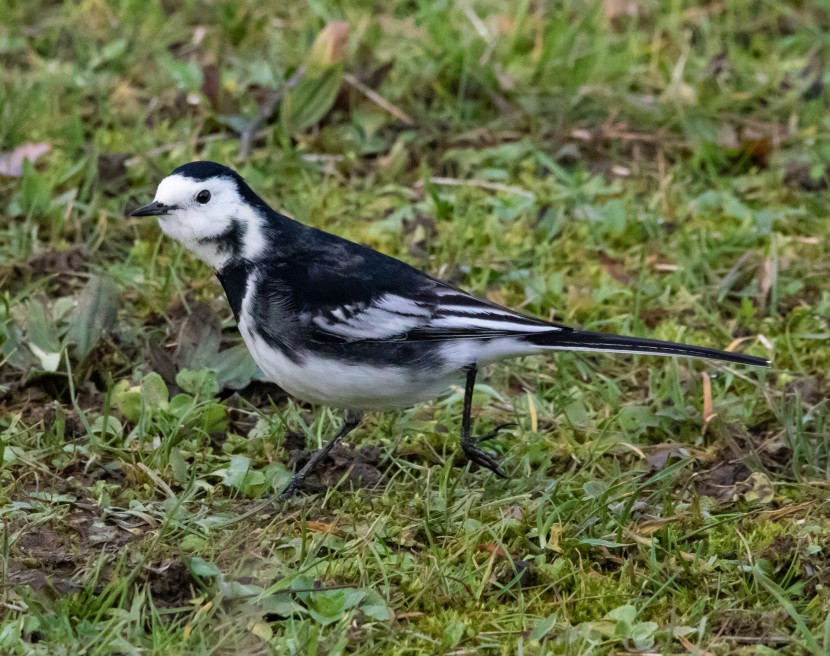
(657, 169)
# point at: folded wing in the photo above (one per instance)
(435, 313)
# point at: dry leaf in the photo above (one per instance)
(323, 527)
(262, 630)
(755, 489)
(11, 164)
(708, 407)
(613, 9)
(495, 549)
(534, 417)
(212, 84)
(660, 454)
(766, 279)
(614, 267)
(639, 539)
(329, 48)
(693, 649)
(718, 65)
(727, 136)
(801, 174)
(735, 343)
(758, 145)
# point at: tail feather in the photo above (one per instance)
(579, 340)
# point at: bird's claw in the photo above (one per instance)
(479, 456)
(495, 431)
(474, 453)
(296, 483)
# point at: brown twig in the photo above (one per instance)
(482, 184)
(246, 139)
(379, 100)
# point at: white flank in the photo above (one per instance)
(339, 384)
(342, 385)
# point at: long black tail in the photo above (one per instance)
(579, 340)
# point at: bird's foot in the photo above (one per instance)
(498, 429)
(296, 483)
(474, 452)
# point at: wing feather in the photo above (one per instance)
(442, 313)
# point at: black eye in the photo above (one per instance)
(203, 197)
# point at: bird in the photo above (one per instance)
(338, 324)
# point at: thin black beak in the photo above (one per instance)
(153, 209)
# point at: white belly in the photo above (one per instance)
(343, 385)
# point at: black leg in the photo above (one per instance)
(469, 443)
(351, 419)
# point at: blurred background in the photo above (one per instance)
(650, 168)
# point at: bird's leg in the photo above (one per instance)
(351, 419)
(469, 443)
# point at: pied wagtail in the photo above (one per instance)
(338, 324)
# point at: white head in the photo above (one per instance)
(211, 211)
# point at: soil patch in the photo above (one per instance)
(56, 557)
(64, 265)
(172, 584)
(358, 466)
(719, 482)
(742, 624)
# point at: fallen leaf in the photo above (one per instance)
(813, 75)
(323, 527)
(728, 136)
(49, 361)
(199, 339)
(112, 172)
(757, 145)
(708, 406)
(766, 279)
(262, 630)
(329, 48)
(659, 455)
(755, 489)
(495, 549)
(512, 512)
(614, 267)
(613, 9)
(94, 315)
(693, 649)
(806, 177)
(211, 84)
(407, 616)
(722, 480)
(735, 343)
(718, 65)
(639, 539)
(11, 163)
(534, 417)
